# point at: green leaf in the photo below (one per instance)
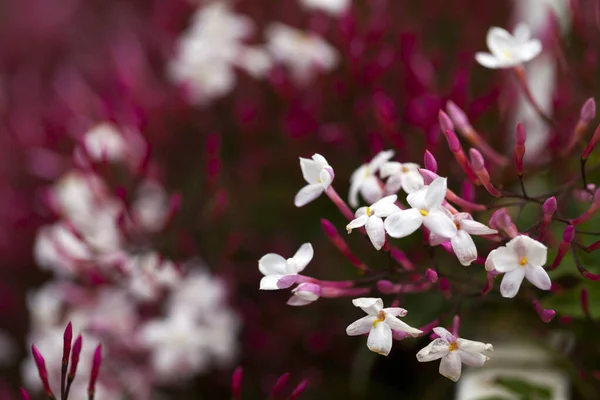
(527, 390)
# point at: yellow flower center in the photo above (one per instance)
(424, 212)
(507, 53)
(523, 261)
(404, 169)
(380, 318)
(453, 346)
(368, 211)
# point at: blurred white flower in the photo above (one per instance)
(148, 274)
(149, 211)
(333, 7)
(364, 180)
(318, 174)
(104, 142)
(403, 176)
(280, 273)
(508, 50)
(372, 219)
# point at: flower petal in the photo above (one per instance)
(385, 201)
(270, 282)
(504, 259)
(412, 181)
(403, 223)
(390, 168)
(303, 256)
(381, 158)
(464, 247)
(450, 366)
(310, 170)
(444, 334)
(395, 311)
(535, 252)
(435, 239)
(530, 50)
(357, 223)
(538, 277)
(417, 199)
(325, 177)
(438, 222)
(307, 194)
(272, 264)
(434, 350)
(298, 301)
(499, 41)
(393, 184)
(436, 192)
(472, 359)
(370, 305)
(476, 228)
(512, 282)
(488, 60)
(376, 231)
(370, 190)
(489, 262)
(320, 160)
(385, 208)
(522, 33)
(398, 325)
(361, 326)
(380, 339)
(356, 182)
(473, 346)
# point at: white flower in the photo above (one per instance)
(305, 293)
(462, 243)
(303, 53)
(379, 323)
(333, 7)
(318, 174)
(426, 210)
(401, 175)
(508, 50)
(280, 273)
(371, 218)
(453, 351)
(365, 182)
(522, 257)
(105, 142)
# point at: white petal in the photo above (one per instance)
(489, 61)
(489, 262)
(325, 178)
(270, 282)
(362, 211)
(385, 207)
(435, 239)
(376, 231)
(412, 181)
(444, 334)
(307, 194)
(475, 228)
(272, 264)
(434, 350)
(450, 366)
(393, 184)
(390, 168)
(417, 199)
(381, 158)
(522, 33)
(399, 325)
(403, 223)
(357, 223)
(298, 301)
(473, 346)
(385, 201)
(361, 326)
(538, 277)
(499, 41)
(436, 192)
(535, 252)
(504, 259)
(512, 282)
(380, 339)
(464, 247)
(530, 50)
(310, 170)
(472, 359)
(438, 222)
(303, 256)
(395, 311)
(370, 190)
(370, 305)
(320, 160)
(355, 184)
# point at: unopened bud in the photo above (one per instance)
(299, 390)
(569, 234)
(445, 122)
(549, 206)
(453, 142)
(478, 164)
(428, 176)
(385, 286)
(431, 275)
(236, 383)
(24, 395)
(95, 371)
(477, 160)
(588, 111)
(42, 371)
(430, 162)
(458, 116)
(546, 315)
(279, 387)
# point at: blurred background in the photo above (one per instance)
(213, 102)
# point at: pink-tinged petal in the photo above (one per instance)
(357, 223)
(269, 282)
(393, 184)
(473, 346)
(535, 252)
(489, 262)
(434, 350)
(450, 366)
(298, 301)
(381, 158)
(310, 170)
(395, 311)
(464, 247)
(472, 359)
(376, 232)
(475, 228)
(399, 325)
(488, 60)
(438, 222)
(512, 282)
(504, 259)
(412, 181)
(370, 190)
(286, 281)
(390, 168)
(307, 194)
(303, 256)
(436, 240)
(370, 305)
(417, 199)
(380, 339)
(436, 192)
(361, 326)
(444, 334)
(272, 264)
(403, 223)
(538, 277)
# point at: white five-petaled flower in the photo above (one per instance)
(522, 257)
(453, 351)
(371, 218)
(305, 293)
(508, 50)
(318, 174)
(364, 180)
(462, 243)
(280, 273)
(403, 176)
(426, 210)
(379, 323)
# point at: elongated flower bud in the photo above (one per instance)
(549, 208)
(43, 372)
(445, 122)
(501, 220)
(236, 383)
(67, 341)
(431, 275)
(585, 305)
(460, 156)
(430, 162)
(589, 213)
(297, 392)
(520, 138)
(24, 395)
(587, 114)
(279, 387)
(564, 246)
(459, 117)
(481, 172)
(95, 371)
(588, 111)
(546, 315)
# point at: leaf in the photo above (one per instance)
(527, 390)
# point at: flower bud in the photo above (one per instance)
(279, 387)
(75, 357)
(564, 246)
(458, 116)
(298, 390)
(481, 172)
(431, 275)
(95, 371)
(385, 286)
(236, 383)
(519, 151)
(546, 315)
(453, 142)
(43, 372)
(445, 122)
(549, 207)
(588, 111)
(428, 176)
(445, 287)
(430, 162)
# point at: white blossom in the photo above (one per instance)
(522, 257)
(379, 324)
(403, 176)
(372, 219)
(333, 7)
(454, 352)
(318, 174)
(364, 180)
(462, 243)
(508, 50)
(426, 210)
(104, 142)
(280, 273)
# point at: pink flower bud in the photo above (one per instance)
(546, 315)
(468, 191)
(478, 164)
(588, 111)
(569, 234)
(458, 116)
(549, 206)
(43, 372)
(592, 144)
(329, 228)
(75, 357)
(236, 384)
(279, 387)
(67, 338)
(24, 395)
(477, 160)
(299, 390)
(95, 371)
(453, 142)
(430, 162)
(445, 122)
(385, 286)
(428, 176)
(431, 275)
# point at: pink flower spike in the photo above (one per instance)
(299, 390)
(43, 372)
(588, 111)
(546, 315)
(236, 383)
(445, 122)
(430, 162)
(431, 275)
(279, 387)
(95, 371)
(24, 395)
